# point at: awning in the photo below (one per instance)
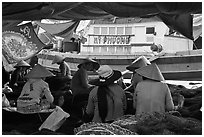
(64, 30)
(197, 26)
(173, 13)
(93, 10)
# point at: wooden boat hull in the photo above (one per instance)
(182, 66)
(173, 67)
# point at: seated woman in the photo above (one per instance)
(63, 66)
(79, 84)
(107, 101)
(135, 78)
(151, 94)
(17, 77)
(35, 89)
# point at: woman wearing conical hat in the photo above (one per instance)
(79, 82)
(151, 94)
(35, 88)
(17, 76)
(107, 100)
(135, 78)
(63, 66)
(80, 86)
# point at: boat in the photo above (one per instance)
(183, 65)
(120, 41)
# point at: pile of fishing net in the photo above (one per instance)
(160, 124)
(93, 128)
(144, 124)
(187, 93)
(192, 100)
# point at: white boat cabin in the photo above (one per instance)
(131, 36)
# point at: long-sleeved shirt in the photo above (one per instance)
(79, 82)
(135, 78)
(152, 96)
(116, 104)
(36, 89)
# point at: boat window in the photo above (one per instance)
(111, 30)
(104, 30)
(104, 49)
(150, 30)
(111, 49)
(120, 30)
(119, 49)
(96, 30)
(127, 49)
(128, 30)
(96, 50)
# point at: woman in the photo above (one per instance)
(17, 77)
(107, 101)
(63, 66)
(80, 86)
(135, 78)
(79, 83)
(35, 90)
(151, 94)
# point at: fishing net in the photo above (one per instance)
(160, 124)
(93, 128)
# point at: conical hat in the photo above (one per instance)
(88, 60)
(107, 76)
(151, 71)
(22, 63)
(57, 59)
(39, 71)
(138, 63)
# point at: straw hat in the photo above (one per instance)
(38, 71)
(57, 59)
(88, 60)
(22, 63)
(151, 71)
(107, 76)
(138, 63)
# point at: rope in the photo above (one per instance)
(40, 117)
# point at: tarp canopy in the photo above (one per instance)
(93, 10)
(197, 26)
(61, 29)
(176, 15)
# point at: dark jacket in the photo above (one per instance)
(79, 82)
